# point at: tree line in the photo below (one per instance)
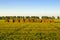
(28, 18)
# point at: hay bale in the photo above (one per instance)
(37, 20)
(22, 20)
(11, 20)
(18, 20)
(47, 21)
(6, 20)
(40, 20)
(32, 20)
(51, 20)
(43, 20)
(27, 20)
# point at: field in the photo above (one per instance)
(29, 31)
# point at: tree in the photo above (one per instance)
(53, 17)
(3, 17)
(18, 17)
(36, 17)
(27, 17)
(49, 17)
(44, 17)
(7, 17)
(14, 17)
(0, 18)
(58, 17)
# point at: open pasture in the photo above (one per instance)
(29, 31)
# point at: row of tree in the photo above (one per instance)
(33, 17)
(28, 18)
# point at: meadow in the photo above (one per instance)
(29, 31)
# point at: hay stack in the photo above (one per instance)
(11, 20)
(21, 20)
(32, 20)
(37, 20)
(27, 20)
(6, 20)
(43, 20)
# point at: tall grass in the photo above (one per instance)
(29, 31)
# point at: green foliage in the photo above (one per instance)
(44, 17)
(7, 17)
(33, 17)
(49, 17)
(18, 17)
(0, 18)
(28, 17)
(37, 17)
(3, 17)
(13, 17)
(58, 17)
(53, 17)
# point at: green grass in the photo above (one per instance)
(29, 31)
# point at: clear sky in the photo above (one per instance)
(30, 7)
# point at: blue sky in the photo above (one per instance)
(30, 7)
